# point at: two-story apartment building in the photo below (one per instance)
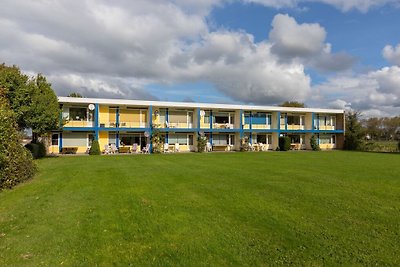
(130, 123)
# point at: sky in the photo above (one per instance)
(326, 53)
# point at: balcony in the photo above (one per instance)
(76, 116)
(181, 125)
(257, 120)
(219, 120)
(292, 122)
(78, 123)
(123, 124)
(325, 123)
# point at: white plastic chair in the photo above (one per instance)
(106, 149)
(134, 148)
(166, 148)
(208, 147)
(146, 149)
(113, 148)
(177, 147)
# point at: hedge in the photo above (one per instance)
(284, 143)
(16, 163)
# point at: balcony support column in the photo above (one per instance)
(312, 121)
(96, 122)
(241, 123)
(166, 117)
(211, 126)
(60, 144)
(251, 127)
(285, 121)
(150, 128)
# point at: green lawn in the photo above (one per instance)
(277, 208)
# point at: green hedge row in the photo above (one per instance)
(16, 163)
(38, 150)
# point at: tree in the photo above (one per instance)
(95, 148)
(74, 94)
(201, 143)
(314, 144)
(157, 140)
(16, 164)
(32, 100)
(293, 104)
(354, 134)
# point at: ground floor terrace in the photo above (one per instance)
(79, 142)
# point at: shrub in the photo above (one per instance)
(38, 150)
(16, 164)
(398, 146)
(314, 144)
(284, 143)
(244, 144)
(34, 149)
(158, 141)
(201, 143)
(42, 149)
(95, 148)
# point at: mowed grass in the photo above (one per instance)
(254, 209)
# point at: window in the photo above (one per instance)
(262, 138)
(190, 139)
(207, 117)
(324, 139)
(269, 139)
(295, 139)
(293, 120)
(181, 139)
(112, 137)
(220, 139)
(54, 139)
(221, 119)
(90, 139)
(78, 114)
(258, 118)
(232, 139)
(163, 115)
(129, 139)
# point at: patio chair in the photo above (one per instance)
(106, 149)
(208, 147)
(166, 148)
(146, 149)
(134, 148)
(114, 149)
(177, 147)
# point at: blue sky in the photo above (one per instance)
(326, 53)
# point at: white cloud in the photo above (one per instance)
(371, 92)
(343, 5)
(392, 54)
(306, 42)
(291, 39)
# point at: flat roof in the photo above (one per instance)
(125, 102)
